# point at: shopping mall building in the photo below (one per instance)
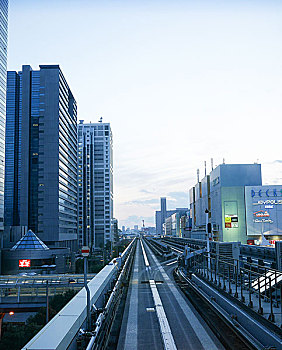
(240, 207)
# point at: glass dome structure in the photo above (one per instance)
(30, 242)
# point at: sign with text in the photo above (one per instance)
(264, 210)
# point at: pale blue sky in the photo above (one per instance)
(180, 82)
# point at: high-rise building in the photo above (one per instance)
(95, 184)
(161, 216)
(3, 77)
(41, 157)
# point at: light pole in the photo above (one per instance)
(85, 253)
(47, 301)
(208, 237)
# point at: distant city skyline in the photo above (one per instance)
(179, 81)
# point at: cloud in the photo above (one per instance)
(179, 199)
(145, 191)
(142, 202)
(178, 195)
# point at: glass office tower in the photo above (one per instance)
(95, 184)
(41, 152)
(3, 77)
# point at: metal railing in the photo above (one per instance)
(20, 287)
(252, 284)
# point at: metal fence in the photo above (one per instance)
(258, 287)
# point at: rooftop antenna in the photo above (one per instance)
(223, 161)
(101, 120)
(205, 168)
(198, 175)
(212, 163)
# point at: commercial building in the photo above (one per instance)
(30, 254)
(95, 183)
(240, 208)
(3, 78)
(41, 157)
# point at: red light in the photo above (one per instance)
(11, 313)
(24, 263)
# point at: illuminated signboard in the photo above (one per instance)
(24, 263)
(264, 210)
(231, 214)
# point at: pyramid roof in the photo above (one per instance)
(30, 242)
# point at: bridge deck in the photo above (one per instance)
(157, 315)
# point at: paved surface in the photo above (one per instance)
(157, 315)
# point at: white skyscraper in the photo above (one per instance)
(95, 184)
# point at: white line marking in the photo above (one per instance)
(144, 254)
(173, 262)
(167, 336)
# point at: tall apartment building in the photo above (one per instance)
(41, 157)
(3, 77)
(95, 184)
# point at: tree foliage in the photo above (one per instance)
(14, 337)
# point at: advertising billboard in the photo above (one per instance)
(24, 263)
(264, 210)
(231, 214)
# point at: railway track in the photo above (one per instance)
(227, 333)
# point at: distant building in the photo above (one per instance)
(185, 225)
(95, 183)
(173, 223)
(41, 157)
(123, 229)
(151, 230)
(161, 216)
(3, 78)
(115, 232)
(136, 227)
